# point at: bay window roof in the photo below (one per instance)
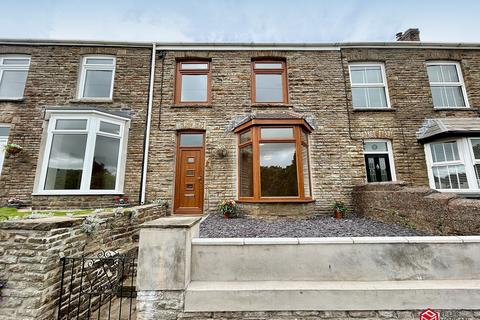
(433, 129)
(241, 122)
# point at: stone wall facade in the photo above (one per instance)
(319, 87)
(168, 305)
(31, 251)
(418, 207)
(53, 81)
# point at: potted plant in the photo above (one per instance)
(228, 208)
(121, 201)
(339, 209)
(12, 148)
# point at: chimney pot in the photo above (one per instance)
(412, 34)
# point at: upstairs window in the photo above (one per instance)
(193, 82)
(446, 84)
(269, 82)
(96, 78)
(13, 75)
(83, 154)
(369, 85)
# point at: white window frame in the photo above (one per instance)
(465, 154)
(460, 84)
(92, 130)
(19, 67)
(88, 67)
(383, 84)
(389, 152)
(3, 141)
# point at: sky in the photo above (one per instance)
(240, 20)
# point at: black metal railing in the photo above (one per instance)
(100, 286)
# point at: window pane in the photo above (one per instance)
(4, 132)
(246, 136)
(443, 73)
(99, 61)
(259, 65)
(194, 88)
(306, 172)
(105, 159)
(277, 133)
(476, 148)
(369, 97)
(268, 88)
(194, 66)
(71, 124)
(65, 164)
(109, 127)
(447, 151)
(363, 75)
(434, 74)
(448, 96)
(12, 83)
(16, 62)
(375, 147)
(278, 170)
(450, 177)
(191, 140)
(98, 84)
(246, 171)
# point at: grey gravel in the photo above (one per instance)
(216, 226)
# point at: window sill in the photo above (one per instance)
(78, 193)
(12, 99)
(276, 201)
(191, 105)
(374, 109)
(271, 104)
(467, 109)
(91, 100)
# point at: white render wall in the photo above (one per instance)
(336, 259)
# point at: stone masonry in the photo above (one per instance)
(318, 85)
(31, 251)
(418, 207)
(52, 81)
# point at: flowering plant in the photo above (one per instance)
(121, 201)
(12, 148)
(228, 208)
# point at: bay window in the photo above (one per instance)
(273, 163)
(4, 131)
(453, 164)
(84, 154)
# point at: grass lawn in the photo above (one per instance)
(6, 213)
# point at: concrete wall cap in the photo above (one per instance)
(270, 241)
(218, 241)
(446, 239)
(172, 222)
(379, 240)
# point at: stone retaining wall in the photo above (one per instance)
(31, 250)
(418, 207)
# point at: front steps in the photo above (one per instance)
(331, 295)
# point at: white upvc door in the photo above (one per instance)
(3, 142)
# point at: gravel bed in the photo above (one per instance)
(216, 226)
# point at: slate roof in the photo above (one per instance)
(438, 128)
(241, 119)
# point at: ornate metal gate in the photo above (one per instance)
(100, 286)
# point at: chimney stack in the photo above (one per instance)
(409, 35)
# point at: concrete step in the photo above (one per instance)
(210, 296)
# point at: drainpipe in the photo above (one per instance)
(147, 131)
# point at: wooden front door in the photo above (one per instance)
(189, 173)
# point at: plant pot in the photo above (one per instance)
(338, 214)
(225, 216)
(13, 150)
